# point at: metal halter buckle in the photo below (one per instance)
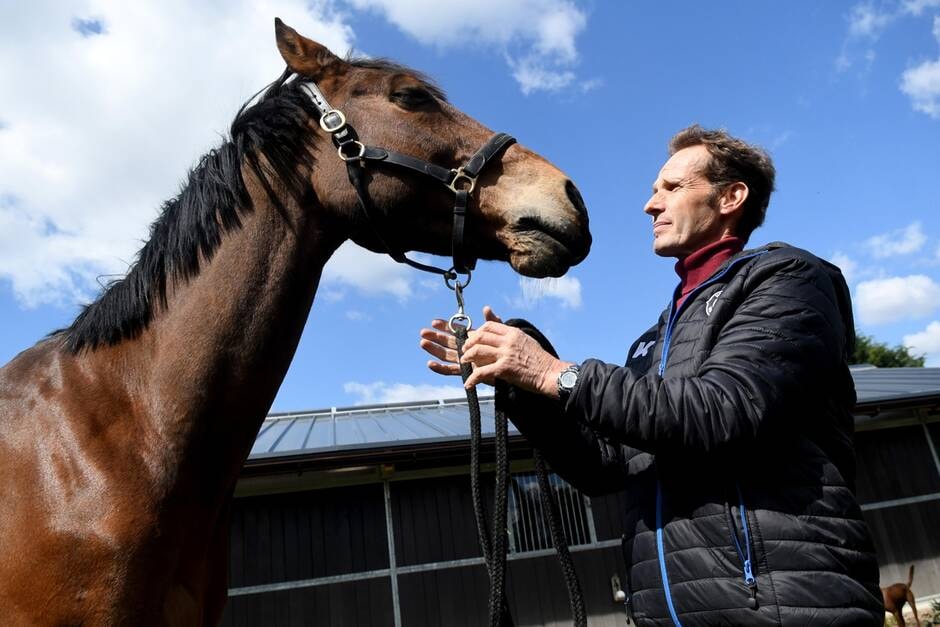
(459, 175)
(345, 157)
(332, 121)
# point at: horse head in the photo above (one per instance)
(523, 209)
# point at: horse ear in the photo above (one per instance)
(303, 56)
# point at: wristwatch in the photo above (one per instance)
(567, 379)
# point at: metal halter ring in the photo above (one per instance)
(332, 115)
(452, 276)
(345, 157)
(459, 316)
(459, 175)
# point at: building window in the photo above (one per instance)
(528, 523)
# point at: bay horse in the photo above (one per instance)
(122, 435)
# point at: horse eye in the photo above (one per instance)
(412, 97)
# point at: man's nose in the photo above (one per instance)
(653, 206)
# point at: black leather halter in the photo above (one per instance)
(461, 181)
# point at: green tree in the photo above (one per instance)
(869, 351)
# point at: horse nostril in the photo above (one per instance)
(575, 197)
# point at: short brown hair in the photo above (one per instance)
(733, 160)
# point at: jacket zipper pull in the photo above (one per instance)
(751, 585)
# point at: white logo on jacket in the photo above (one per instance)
(710, 303)
(643, 348)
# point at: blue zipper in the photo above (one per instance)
(662, 555)
(660, 549)
(675, 311)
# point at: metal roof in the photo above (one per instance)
(880, 385)
(370, 426)
(441, 422)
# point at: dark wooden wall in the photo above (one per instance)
(433, 519)
(305, 535)
(366, 603)
(897, 463)
(535, 588)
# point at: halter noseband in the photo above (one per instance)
(461, 181)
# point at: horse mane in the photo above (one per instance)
(270, 133)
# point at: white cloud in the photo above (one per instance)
(566, 290)
(866, 20)
(904, 241)
(846, 264)
(369, 273)
(926, 342)
(382, 392)
(358, 316)
(131, 94)
(883, 301)
(916, 7)
(532, 75)
(921, 83)
(537, 36)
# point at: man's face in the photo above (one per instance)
(683, 218)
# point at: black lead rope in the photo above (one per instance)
(494, 545)
(575, 597)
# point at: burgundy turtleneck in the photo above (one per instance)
(698, 266)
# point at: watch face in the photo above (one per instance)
(568, 379)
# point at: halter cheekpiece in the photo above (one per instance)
(461, 181)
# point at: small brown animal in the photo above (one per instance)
(896, 595)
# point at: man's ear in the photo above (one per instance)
(731, 200)
(304, 56)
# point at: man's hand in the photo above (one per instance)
(441, 343)
(496, 351)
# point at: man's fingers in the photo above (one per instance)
(490, 334)
(442, 353)
(489, 315)
(441, 325)
(494, 326)
(482, 374)
(444, 339)
(481, 354)
(446, 369)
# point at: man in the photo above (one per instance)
(730, 427)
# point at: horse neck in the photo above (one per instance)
(218, 353)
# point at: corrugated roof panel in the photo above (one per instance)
(876, 384)
(432, 425)
(348, 431)
(407, 427)
(373, 429)
(269, 436)
(321, 436)
(293, 438)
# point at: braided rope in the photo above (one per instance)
(494, 551)
(550, 506)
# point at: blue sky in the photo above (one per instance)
(104, 106)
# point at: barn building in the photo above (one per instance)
(362, 516)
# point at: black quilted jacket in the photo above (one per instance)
(730, 428)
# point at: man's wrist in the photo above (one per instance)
(549, 385)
